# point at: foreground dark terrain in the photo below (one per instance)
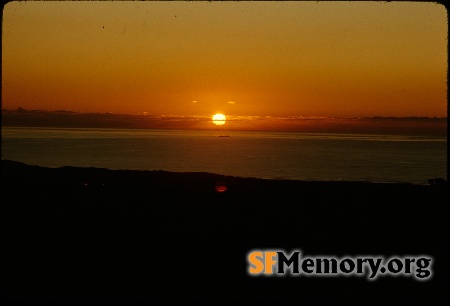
(86, 234)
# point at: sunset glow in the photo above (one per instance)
(150, 147)
(249, 58)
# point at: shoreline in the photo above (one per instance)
(193, 174)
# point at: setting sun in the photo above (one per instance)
(219, 119)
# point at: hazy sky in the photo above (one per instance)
(303, 58)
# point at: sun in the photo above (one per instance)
(219, 119)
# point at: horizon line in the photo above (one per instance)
(146, 114)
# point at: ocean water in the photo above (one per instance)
(299, 156)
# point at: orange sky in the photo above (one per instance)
(295, 58)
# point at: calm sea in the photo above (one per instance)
(302, 156)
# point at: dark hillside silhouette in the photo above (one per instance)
(88, 234)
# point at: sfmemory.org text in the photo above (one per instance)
(278, 263)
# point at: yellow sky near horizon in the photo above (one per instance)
(295, 58)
